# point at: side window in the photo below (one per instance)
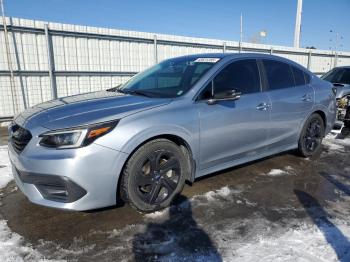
(241, 75)
(298, 76)
(206, 93)
(279, 75)
(345, 79)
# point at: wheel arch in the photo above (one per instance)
(175, 138)
(323, 115)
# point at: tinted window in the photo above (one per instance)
(242, 76)
(338, 75)
(279, 75)
(298, 76)
(346, 77)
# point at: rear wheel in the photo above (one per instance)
(311, 136)
(154, 175)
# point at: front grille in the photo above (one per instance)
(20, 138)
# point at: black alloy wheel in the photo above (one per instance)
(312, 134)
(154, 175)
(158, 177)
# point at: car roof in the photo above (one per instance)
(241, 55)
(234, 55)
(246, 55)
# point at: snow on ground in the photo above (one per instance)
(306, 243)
(326, 241)
(336, 138)
(12, 247)
(5, 167)
(277, 172)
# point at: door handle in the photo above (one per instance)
(263, 106)
(306, 98)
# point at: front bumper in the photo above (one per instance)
(74, 179)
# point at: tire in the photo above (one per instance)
(312, 134)
(154, 175)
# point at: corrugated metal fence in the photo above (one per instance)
(52, 59)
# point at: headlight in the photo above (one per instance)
(75, 137)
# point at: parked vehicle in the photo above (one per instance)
(179, 120)
(340, 78)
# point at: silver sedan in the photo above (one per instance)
(179, 120)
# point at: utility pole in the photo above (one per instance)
(9, 61)
(298, 24)
(241, 34)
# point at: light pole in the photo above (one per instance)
(241, 33)
(298, 24)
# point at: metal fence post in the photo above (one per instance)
(155, 47)
(271, 50)
(336, 59)
(9, 62)
(309, 60)
(240, 47)
(51, 62)
(19, 68)
(224, 47)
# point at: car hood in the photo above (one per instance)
(85, 109)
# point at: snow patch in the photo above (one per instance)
(336, 141)
(12, 247)
(306, 243)
(223, 192)
(5, 124)
(5, 167)
(277, 172)
(157, 214)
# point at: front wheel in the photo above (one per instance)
(154, 175)
(311, 136)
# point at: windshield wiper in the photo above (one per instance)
(113, 89)
(135, 92)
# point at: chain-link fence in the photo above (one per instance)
(49, 60)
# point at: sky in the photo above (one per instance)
(218, 19)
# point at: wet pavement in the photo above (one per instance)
(212, 220)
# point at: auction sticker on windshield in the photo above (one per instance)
(206, 60)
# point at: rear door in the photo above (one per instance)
(232, 130)
(292, 99)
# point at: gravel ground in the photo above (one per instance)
(282, 208)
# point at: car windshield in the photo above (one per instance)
(338, 75)
(169, 79)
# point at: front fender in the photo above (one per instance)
(156, 131)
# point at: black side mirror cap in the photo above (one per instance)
(225, 96)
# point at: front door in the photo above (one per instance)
(233, 130)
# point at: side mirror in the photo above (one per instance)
(225, 96)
